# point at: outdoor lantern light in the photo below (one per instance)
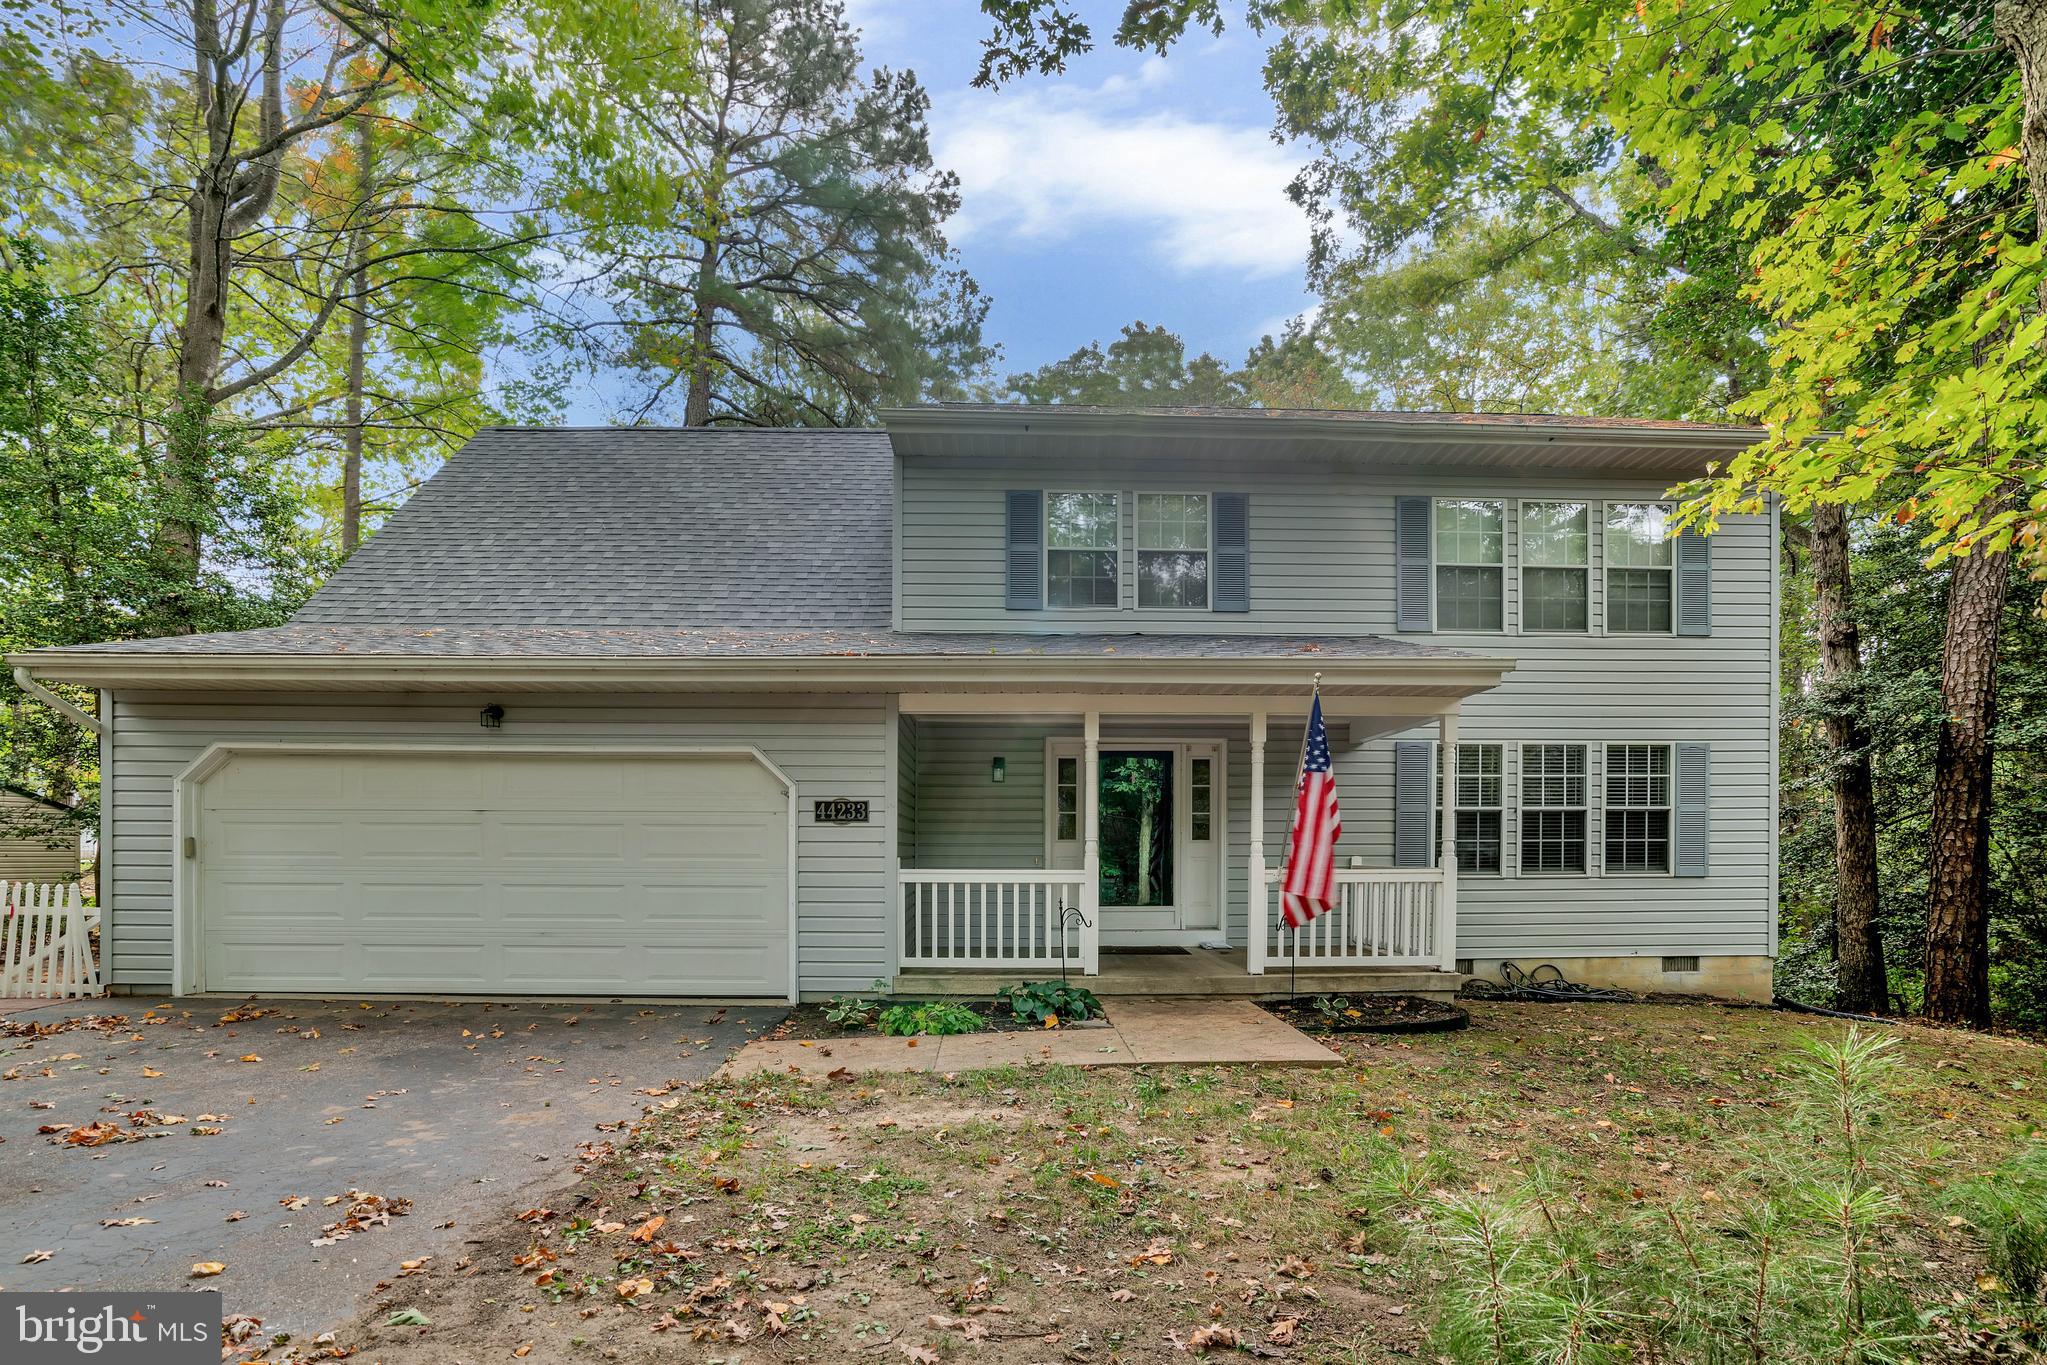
(998, 771)
(491, 716)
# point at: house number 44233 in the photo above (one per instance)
(840, 812)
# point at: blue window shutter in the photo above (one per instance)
(1694, 809)
(1414, 805)
(1023, 550)
(1694, 583)
(1231, 590)
(1411, 563)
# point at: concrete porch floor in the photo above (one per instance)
(1196, 972)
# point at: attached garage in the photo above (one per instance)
(488, 873)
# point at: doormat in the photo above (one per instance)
(1142, 949)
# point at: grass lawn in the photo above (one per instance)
(1135, 1214)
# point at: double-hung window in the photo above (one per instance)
(1081, 535)
(1471, 556)
(1638, 568)
(1552, 808)
(1556, 565)
(1638, 808)
(1479, 800)
(1172, 550)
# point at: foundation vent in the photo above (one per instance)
(1680, 964)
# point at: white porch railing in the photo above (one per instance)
(46, 941)
(1002, 919)
(1384, 917)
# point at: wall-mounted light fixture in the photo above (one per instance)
(491, 717)
(998, 770)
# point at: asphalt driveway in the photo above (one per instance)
(221, 1115)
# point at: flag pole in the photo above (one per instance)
(1293, 962)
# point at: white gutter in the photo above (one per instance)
(875, 672)
(24, 680)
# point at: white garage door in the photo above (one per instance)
(526, 874)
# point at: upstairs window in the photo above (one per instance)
(1638, 808)
(1638, 568)
(1556, 565)
(1552, 808)
(1172, 550)
(1081, 535)
(1471, 556)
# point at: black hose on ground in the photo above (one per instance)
(1546, 982)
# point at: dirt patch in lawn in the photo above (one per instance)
(1370, 1014)
(1122, 1214)
(813, 1021)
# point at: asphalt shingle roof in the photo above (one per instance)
(464, 642)
(635, 527)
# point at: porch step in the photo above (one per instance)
(1196, 972)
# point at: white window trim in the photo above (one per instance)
(1436, 785)
(1522, 806)
(1045, 556)
(1137, 549)
(1669, 807)
(1594, 517)
(1606, 567)
(1437, 562)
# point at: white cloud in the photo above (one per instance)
(1047, 165)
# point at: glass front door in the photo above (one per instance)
(1138, 827)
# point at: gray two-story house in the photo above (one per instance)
(985, 694)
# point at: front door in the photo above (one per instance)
(1161, 829)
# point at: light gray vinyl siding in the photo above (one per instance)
(965, 820)
(906, 789)
(28, 857)
(830, 746)
(1322, 557)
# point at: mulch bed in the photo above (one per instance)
(809, 1021)
(1372, 1014)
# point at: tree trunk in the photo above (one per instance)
(2021, 25)
(1860, 982)
(702, 338)
(358, 345)
(226, 199)
(1958, 868)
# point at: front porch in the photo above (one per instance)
(1173, 890)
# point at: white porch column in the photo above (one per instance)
(1091, 846)
(1446, 902)
(1255, 894)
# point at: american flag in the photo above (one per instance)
(1307, 887)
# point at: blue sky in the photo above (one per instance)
(1130, 187)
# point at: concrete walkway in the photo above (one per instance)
(1139, 1033)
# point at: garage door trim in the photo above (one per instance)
(185, 955)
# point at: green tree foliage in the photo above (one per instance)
(79, 515)
(1148, 366)
(787, 261)
(1900, 606)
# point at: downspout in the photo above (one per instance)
(28, 684)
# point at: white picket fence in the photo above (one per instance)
(46, 941)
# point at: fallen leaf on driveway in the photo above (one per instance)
(37, 1257)
(251, 1057)
(124, 1222)
(151, 1072)
(293, 1201)
(237, 1216)
(206, 1269)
